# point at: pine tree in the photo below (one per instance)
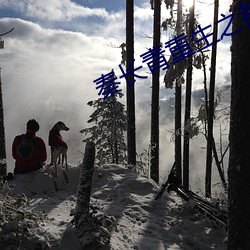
(188, 102)
(110, 121)
(131, 127)
(178, 93)
(154, 167)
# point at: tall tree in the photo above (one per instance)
(154, 168)
(3, 162)
(239, 159)
(174, 75)
(210, 139)
(188, 102)
(178, 156)
(131, 128)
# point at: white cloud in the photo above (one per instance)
(46, 71)
(53, 10)
(143, 13)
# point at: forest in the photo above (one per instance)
(216, 115)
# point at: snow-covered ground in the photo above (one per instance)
(141, 221)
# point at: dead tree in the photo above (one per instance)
(84, 186)
(211, 105)
(94, 231)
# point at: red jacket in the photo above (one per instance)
(37, 159)
(55, 139)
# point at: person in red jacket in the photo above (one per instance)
(29, 150)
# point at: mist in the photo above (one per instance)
(48, 69)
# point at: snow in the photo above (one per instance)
(142, 222)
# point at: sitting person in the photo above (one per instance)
(28, 150)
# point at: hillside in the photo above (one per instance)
(141, 221)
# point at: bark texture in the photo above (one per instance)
(3, 162)
(154, 168)
(85, 183)
(92, 227)
(131, 129)
(239, 160)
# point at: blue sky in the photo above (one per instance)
(109, 5)
(61, 14)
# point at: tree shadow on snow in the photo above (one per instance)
(177, 227)
(124, 191)
(39, 188)
(167, 223)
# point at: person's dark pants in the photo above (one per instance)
(25, 171)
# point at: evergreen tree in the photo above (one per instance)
(131, 127)
(178, 93)
(154, 167)
(110, 121)
(191, 23)
(174, 74)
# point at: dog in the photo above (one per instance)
(57, 152)
(58, 146)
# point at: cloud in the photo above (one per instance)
(143, 12)
(48, 74)
(49, 64)
(56, 10)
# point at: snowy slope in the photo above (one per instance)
(141, 221)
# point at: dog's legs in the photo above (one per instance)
(63, 157)
(66, 161)
(51, 156)
(55, 158)
(59, 159)
(56, 170)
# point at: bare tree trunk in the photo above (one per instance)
(211, 105)
(116, 152)
(93, 229)
(3, 161)
(188, 104)
(178, 131)
(217, 162)
(178, 91)
(131, 130)
(239, 159)
(81, 215)
(154, 169)
(115, 128)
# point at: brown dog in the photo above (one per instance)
(58, 146)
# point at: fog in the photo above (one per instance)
(48, 68)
